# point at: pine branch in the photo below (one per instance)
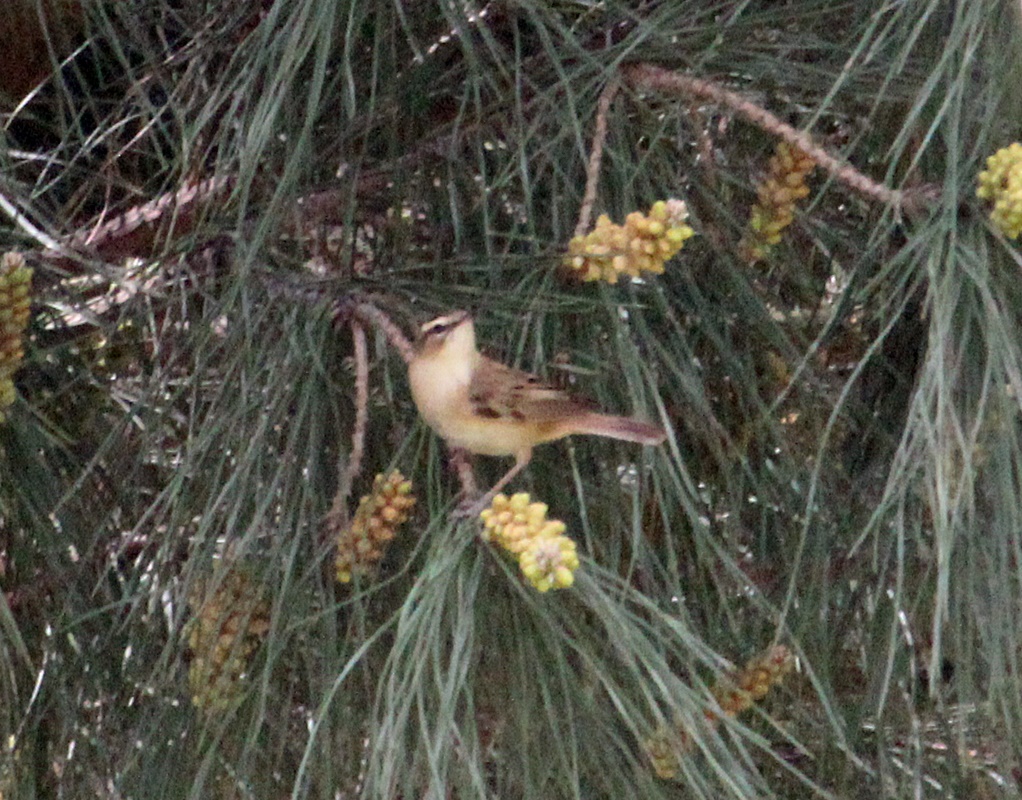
(651, 78)
(358, 433)
(596, 156)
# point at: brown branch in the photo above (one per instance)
(647, 76)
(136, 232)
(367, 312)
(585, 213)
(359, 313)
(358, 432)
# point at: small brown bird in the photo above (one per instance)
(482, 406)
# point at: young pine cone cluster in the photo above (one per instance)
(1001, 182)
(643, 244)
(15, 286)
(740, 691)
(361, 544)
(548, 559)
(782, 187)
(232, 615)
(734, 695)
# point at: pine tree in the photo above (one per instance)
(786, 230)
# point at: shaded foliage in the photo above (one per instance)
(204, 191)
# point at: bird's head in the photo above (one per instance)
(452, 332)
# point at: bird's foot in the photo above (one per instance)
(472, 505)
(469, 508)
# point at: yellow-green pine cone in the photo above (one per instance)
(656, 237)
(590, 255)
(15, 291)
(550, 560)
(732, 700)
(362, 544)
(661, 754)
(643, 243)
(1001, 182)
(513, 522)
(766, 671)
(783, 185)
(231, 617)
(752, 683)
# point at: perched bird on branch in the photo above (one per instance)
(481, 406)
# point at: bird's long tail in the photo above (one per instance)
(624, 428)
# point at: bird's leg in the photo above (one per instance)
(521, 461)
(472, 510)
(461, 460)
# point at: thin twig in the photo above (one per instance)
(337, 518)
(359, 313)
(585, 213)
(358, 432)
(646, 76)
(367, 312)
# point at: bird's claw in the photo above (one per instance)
(468, 508)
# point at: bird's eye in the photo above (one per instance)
(440, 327)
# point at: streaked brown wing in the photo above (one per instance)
(501, 392)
